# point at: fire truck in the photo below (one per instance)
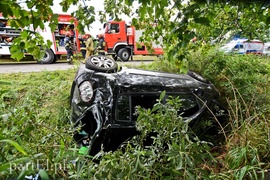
(7, 34)
(122, 41)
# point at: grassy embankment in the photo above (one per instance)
(36, 135)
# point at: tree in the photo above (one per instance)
(179, 21)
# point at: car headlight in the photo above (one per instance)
(86, 91)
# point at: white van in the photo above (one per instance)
(243, 46)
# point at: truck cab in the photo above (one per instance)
(115, 35)
(122, 41)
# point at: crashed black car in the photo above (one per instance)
(104, 97)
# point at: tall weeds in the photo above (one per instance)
(244, 84)
(35, 131)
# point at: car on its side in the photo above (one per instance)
(104, 98)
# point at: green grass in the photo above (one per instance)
(35, 114)
(35, 128)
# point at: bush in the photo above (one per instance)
(243, 81)
(175, 150)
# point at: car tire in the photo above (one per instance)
(124, 54)
(101, 63)
(48, 57)
(197, 77)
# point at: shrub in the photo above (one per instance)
(243, 81)
(238, 77)
(174, 152)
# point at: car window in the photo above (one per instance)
(126, 105)
(123, 108)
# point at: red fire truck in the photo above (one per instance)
(7, 34)
(122, 41)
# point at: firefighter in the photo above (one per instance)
(69, 47)
(83, 45)
(101, 45)
(89, 46)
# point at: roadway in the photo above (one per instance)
(35, 67)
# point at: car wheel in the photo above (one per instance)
(101, 63)
(48, 57)
(124, 54)
(197, 77)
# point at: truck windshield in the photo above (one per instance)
(113, 28)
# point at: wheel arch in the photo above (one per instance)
(119, 46)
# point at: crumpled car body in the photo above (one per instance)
(103, 104)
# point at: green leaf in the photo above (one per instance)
(268, 20)
(15, 144)
(202, 20)
(43, 175)
(5, 83)
(180, 165)
(242, 172)
(8, 166)
(162, 95)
